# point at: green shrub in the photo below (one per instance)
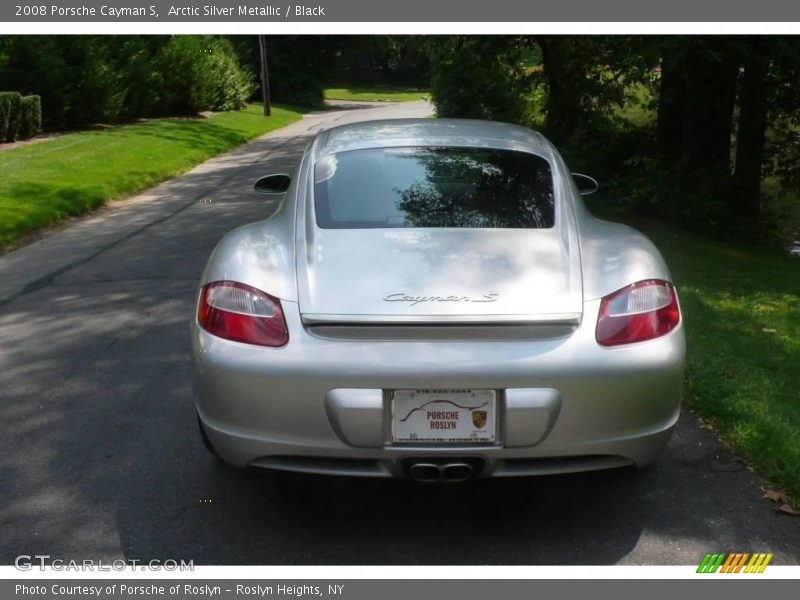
(99, 96)
(233, 84)
(85, 80)
(31, 117)
(203, 73)
(479, 77)
(14, 118)
(300, 88)
(10, 103)
(297, 68)
(5, 110)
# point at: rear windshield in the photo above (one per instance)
(433, 187)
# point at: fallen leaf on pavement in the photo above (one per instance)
(782, 502)
(785, 508)
(775, 496)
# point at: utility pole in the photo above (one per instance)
(262, 50)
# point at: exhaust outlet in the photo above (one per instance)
(457, 472)
(448, 472)
(425, 472)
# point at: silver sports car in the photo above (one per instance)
(432, 300)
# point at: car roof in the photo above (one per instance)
(431, 132)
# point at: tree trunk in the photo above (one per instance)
(671, 97)
(710, 97)
(751, 134)
(696, 102)
(563, 103)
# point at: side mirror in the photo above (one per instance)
(586, 185)
(273, 185)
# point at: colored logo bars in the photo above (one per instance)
(734, 562)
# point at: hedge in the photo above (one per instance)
(5, 111)
(20, 117)
(9, 115)
(30, 117)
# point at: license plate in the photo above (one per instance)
(435, 416)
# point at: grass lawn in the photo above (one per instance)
(74, 173)
(376, 94)
(742, 314)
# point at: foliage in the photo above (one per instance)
(5, 113)
(88, 80)
(709, 93)
(30, 117)
(657, 118)
(367, 61)
(783, 141)
(698, 200)
(84, 80)
(143, 74)
(9, 115)
(297, 65)
(480, 77)
(203, 73)
(302, 87)
(73, 173)
(233, 85)
(20, 117)
(588, 79)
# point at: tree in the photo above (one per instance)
(751, 131)
(697, 98)
(479, 77)
(378, 59)
(704, 81)
(709, 99)
(587, 79)
(203, 73)
(297, 66)
(83, 80)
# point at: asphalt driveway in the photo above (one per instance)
(100, 457)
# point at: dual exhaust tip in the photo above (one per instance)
(454, 472)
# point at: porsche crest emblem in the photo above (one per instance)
(479, 418)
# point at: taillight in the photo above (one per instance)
(238, 312)
(642, 311)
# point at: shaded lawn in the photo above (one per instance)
(43, 182)
(742, 314)
(376, 94)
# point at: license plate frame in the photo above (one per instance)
(466, 416)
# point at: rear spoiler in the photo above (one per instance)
(571, 319)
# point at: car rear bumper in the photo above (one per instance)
(319, 405)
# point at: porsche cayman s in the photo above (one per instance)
(432, 300)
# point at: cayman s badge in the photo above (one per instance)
(414, 300)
